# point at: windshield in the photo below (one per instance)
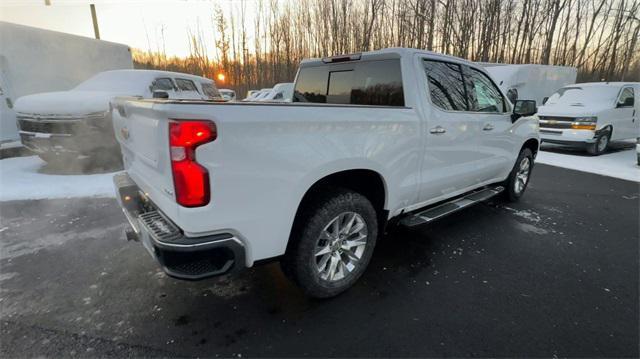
(129, 82)
(579, 96)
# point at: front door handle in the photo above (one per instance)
(487, 127)
(438, 130)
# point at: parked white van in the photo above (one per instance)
(591, 115)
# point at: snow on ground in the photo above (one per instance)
(619, 164)
(30, 178)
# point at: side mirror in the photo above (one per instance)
(628, 102)
(160, 94)
(544, 100)
(523, 108)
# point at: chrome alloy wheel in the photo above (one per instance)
(522, 176)
(340, 246)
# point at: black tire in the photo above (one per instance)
(514, 189)
(300, 262)
(601, 144)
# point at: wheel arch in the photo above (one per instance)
(533, 144)
(367, 182)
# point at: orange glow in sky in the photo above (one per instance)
(141, 24)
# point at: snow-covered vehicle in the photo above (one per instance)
(66, 124)
(591, 115)
(227, 94)
(398, 136)
(282, 92)
(263, 93)
(33, 60)
(256, 95)
(250, 95)
(529, 81)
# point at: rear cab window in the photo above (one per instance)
(373, 83)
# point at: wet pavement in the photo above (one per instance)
(554, 275)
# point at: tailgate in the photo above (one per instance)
(141, 128)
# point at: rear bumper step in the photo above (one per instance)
(179, 256)
(433, 213)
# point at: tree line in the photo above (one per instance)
(261, 47)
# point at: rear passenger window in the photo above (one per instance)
(484, 96)
(186, 85)
(446, 86)
(374, 83)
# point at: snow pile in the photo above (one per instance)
(622, 164)
(20, 178)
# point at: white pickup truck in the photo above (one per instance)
(397, 136)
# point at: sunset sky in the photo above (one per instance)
(135, 23)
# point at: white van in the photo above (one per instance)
(591, 115)
(531, 82)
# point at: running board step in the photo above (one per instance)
(441, 210)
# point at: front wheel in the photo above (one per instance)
(518, 179)
(332, 243)
(601, 143)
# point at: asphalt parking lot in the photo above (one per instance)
(554, 275)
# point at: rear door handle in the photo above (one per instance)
(487, 127)
(438, 130)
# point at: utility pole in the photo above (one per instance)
(94, 17)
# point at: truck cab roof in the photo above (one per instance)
(383, 54)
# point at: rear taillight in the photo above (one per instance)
(190, 180)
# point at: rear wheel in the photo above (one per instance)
(332, 243)
(601, 142)
(518, 179)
